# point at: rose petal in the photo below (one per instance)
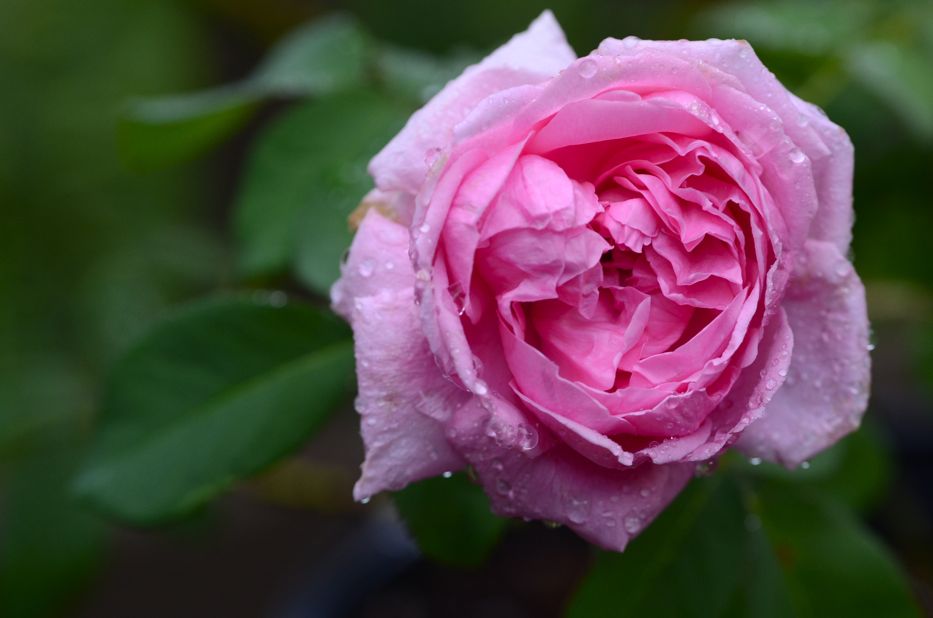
(826, 390)
(528, 58)
(833, 175)
(400, 389)
(605, 506)
(403, 397)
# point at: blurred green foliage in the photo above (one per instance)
(450, 519)
(734, 545)
(110, 400)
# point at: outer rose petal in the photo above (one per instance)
(401, 391)
(833, 176)
(528, 58)
(605, 506)
(826, 390)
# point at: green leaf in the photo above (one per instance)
(687, 563)
(855, 471)
(321, 57)
(417, 75)
(49, 547)
(450, 519)
(811, 28)
(831, 565)
(325, 56)
(303, 180)
(210, 396)
(746, 546)
(898, 74)
(157, 131)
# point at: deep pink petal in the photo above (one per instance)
(605, 506)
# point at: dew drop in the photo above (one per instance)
(630, 41)
(632, 524)
(425, 228)
(367, 268)
(365, 500)
(480, 388)
(503, 487)
(447, 474)
(527, 438)
(797, 156)
(755, 461)
(805, 465)
(587, 68)
(577, 511)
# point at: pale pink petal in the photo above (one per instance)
(826, 390)
(832, 172)
(403, 397)
(529, 58)
(400, 389)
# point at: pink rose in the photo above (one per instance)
(584, 277)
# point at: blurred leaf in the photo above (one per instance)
(736, 546)
(898, 74)
(321, 57)
(49, 547)
(687, 563)
(325, 56)
(831, 565)
(855, 471)
(304, 178)
(212, 395)
(450, 519)
(811, 28)
(417, 75)
(161, 130)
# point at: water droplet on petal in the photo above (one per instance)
(365, 500)
(527, 438)
(632, 524)
(578, 511)
(587, 68)
(797, 156)
(447, 474)
(755, 461)
(367, 268)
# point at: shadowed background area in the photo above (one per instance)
(119, 204)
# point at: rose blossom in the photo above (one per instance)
(584, 277)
